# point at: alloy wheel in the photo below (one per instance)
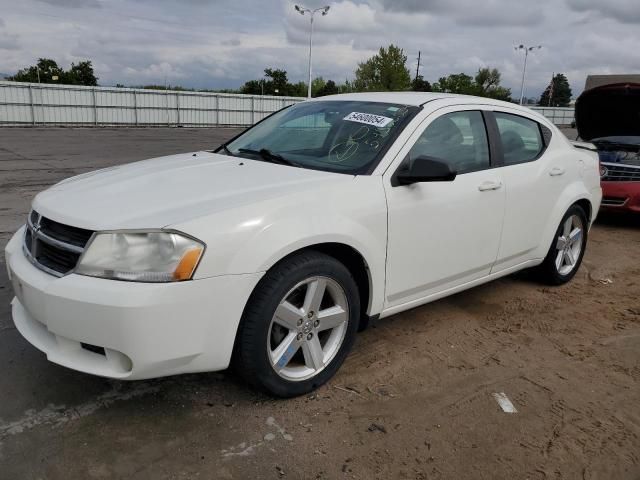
(569, 245)
(308, 328)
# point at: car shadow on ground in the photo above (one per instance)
(618, 219)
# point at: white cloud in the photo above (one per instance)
(222, 43)
(626, 11)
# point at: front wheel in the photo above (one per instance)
(568, 247)
(299, 325)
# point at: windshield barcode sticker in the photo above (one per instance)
(369, 119)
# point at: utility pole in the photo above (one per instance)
(551, 88)
(418, 67)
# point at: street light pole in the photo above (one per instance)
(524, 68)
(303, 10)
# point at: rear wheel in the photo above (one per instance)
(299, 325)
(565, 254)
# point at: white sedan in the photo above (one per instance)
(273, 251)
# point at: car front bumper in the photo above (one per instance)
(621, 196)
(127, 330)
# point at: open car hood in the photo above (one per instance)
(609, 110)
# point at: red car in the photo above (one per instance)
(609, 117)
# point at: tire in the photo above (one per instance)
(557, 269)
(286, 320)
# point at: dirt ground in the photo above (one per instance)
(413, 400)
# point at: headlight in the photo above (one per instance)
(157, 256)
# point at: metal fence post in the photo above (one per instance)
(253, 110)
(177, 109)
(95, 106)
(33, 113)
(217, 110)
(135, 107)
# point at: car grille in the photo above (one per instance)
(616, 172)
(52, 246)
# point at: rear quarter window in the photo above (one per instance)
(521, 138)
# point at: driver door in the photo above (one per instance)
(444, 234)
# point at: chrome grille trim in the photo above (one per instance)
(31, 251)
(617, 172)
(36, 264)
(52, 241)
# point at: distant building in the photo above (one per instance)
(594, 81)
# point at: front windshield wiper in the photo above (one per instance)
(269, 156)
(226, 150)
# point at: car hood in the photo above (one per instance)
(609, 110)
(163, 191)
(629, 142)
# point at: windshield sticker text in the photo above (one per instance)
(369, 119)
(363, 136)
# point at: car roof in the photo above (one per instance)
(412, 98)
(421, 98)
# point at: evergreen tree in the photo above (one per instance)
(558, 92)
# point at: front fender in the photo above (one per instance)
(253, 238)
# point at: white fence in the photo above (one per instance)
(49, 104)
(558, 115)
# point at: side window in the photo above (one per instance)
(459, 138)
(520, 136)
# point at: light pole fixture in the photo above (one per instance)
(524, 68)
(302, 11)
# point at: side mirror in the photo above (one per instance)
(424, 169)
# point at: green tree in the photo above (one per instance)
(277, 81)
(487, 82)
(385, 71)
(164, 87)
(252, 87)
(45, 70)
(456, 83)
(317, 84)
(330, 88)
(346, 87)
(297, 89)
(558, 92)
(80, 74)
(419, 84)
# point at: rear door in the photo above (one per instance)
(534, 178)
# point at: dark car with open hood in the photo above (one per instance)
(609, 117)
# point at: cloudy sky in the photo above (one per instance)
(223, 43)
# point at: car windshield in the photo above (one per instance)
(337, 136)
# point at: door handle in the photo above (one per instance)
(487, 186)
(556, 171)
